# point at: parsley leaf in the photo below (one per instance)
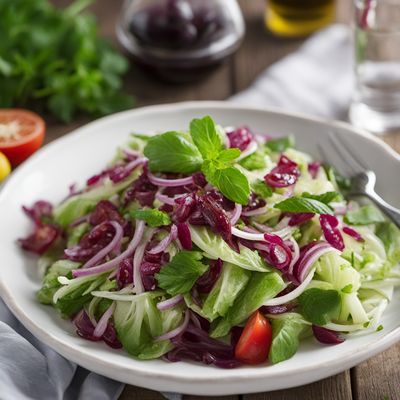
(303, 205)
(364, 216)
(260, 188)
(280, 144)
(205, 137)
(152, 217)
(172, 152)
(320, 306)
(230, 181)
(325, 198)
(55, 59)
(181, 273)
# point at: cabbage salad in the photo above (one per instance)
(216, 245)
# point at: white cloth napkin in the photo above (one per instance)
(318, 80)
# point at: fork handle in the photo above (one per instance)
(391, 212)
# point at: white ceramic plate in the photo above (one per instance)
(84, 152)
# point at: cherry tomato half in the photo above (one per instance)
(5, 167)
(21, 134)
(255, 341)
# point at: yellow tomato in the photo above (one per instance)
(5, 167)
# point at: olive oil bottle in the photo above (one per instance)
(294, 18)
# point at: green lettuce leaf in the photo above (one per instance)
(137, 323)
(285, 340)
(390, 237)
(230, 283)
(215, 247)
(260, 288)
(365, 215)
(152, 217)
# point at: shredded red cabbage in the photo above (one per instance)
(329, 225)
(41, 239)
(105, 211)
(184, 236)
(313, 168)
(142, 190)
(284, 174)
(186, 206)
(195, 344)
(125, 273)
(217, 218)
(85, 329)
(207, 281)
(353, 233)
(299, 218)
(240, 138)
(40, 210)
(326, 336)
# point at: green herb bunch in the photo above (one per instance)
(54, 59)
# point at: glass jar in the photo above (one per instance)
(180, 39)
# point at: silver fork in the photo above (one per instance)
(362, 179)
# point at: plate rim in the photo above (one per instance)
(75, 353)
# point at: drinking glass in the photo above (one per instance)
(376, 100)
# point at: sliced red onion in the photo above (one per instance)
(177, 331)
(276, 310)
(247, 235)
(79, 221)
(257, 211)
(165, 199)
(250, 149)
(103, 321)
(170, 303)
(237, 211)
(289, 192)
(295, 256)
(195, 319)
(283, 223)
(303, 266)
(119, 232)
(353, 233)
(169, 182)
(165, 242)
(119, 173)
(131, 154)
(277, 301)
(137, 261)
(184, 236)
(326, 336)
(250, 229)
(109, 265)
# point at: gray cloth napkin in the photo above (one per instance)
(316, 80)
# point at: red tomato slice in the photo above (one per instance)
(21, 134)
(255, 341)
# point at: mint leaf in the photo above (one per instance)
(260, 188)
(230, 181)
(325, 198)
(181, 273)
(254, 161)
(320, 306)
(303, 205)
(152, 217)
(285, 339)
(228, 155)
(364, 216)
(280, 144)
(205, 137)
(172, 152)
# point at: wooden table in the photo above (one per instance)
(376, 379)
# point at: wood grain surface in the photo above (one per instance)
(375, 379)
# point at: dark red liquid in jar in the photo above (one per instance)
(175, 24)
